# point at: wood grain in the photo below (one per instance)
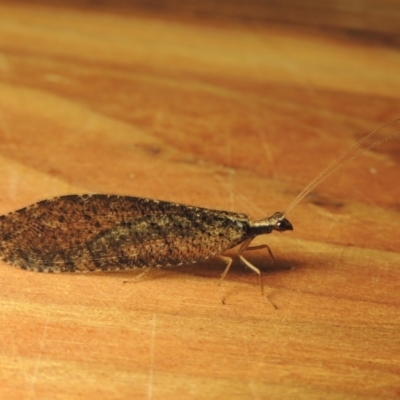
(229, 113)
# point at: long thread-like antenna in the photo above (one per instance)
(341, 161)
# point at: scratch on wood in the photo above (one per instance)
(152, 351)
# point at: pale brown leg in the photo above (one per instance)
(244, 247)
(263, 246)
(228, 261)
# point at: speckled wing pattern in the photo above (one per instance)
(82, 233)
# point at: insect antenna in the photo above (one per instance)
(342, 160)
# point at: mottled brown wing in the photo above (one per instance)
(100, 232)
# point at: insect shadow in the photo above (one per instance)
(213, 269)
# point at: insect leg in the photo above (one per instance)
(242, 248)
(228, 261)
(245, 246)
(262, 246)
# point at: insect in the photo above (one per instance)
(96, 232)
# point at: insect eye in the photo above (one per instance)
(283, 225)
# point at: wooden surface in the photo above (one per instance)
(221, 113)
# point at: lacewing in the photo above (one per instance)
(97, 232)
